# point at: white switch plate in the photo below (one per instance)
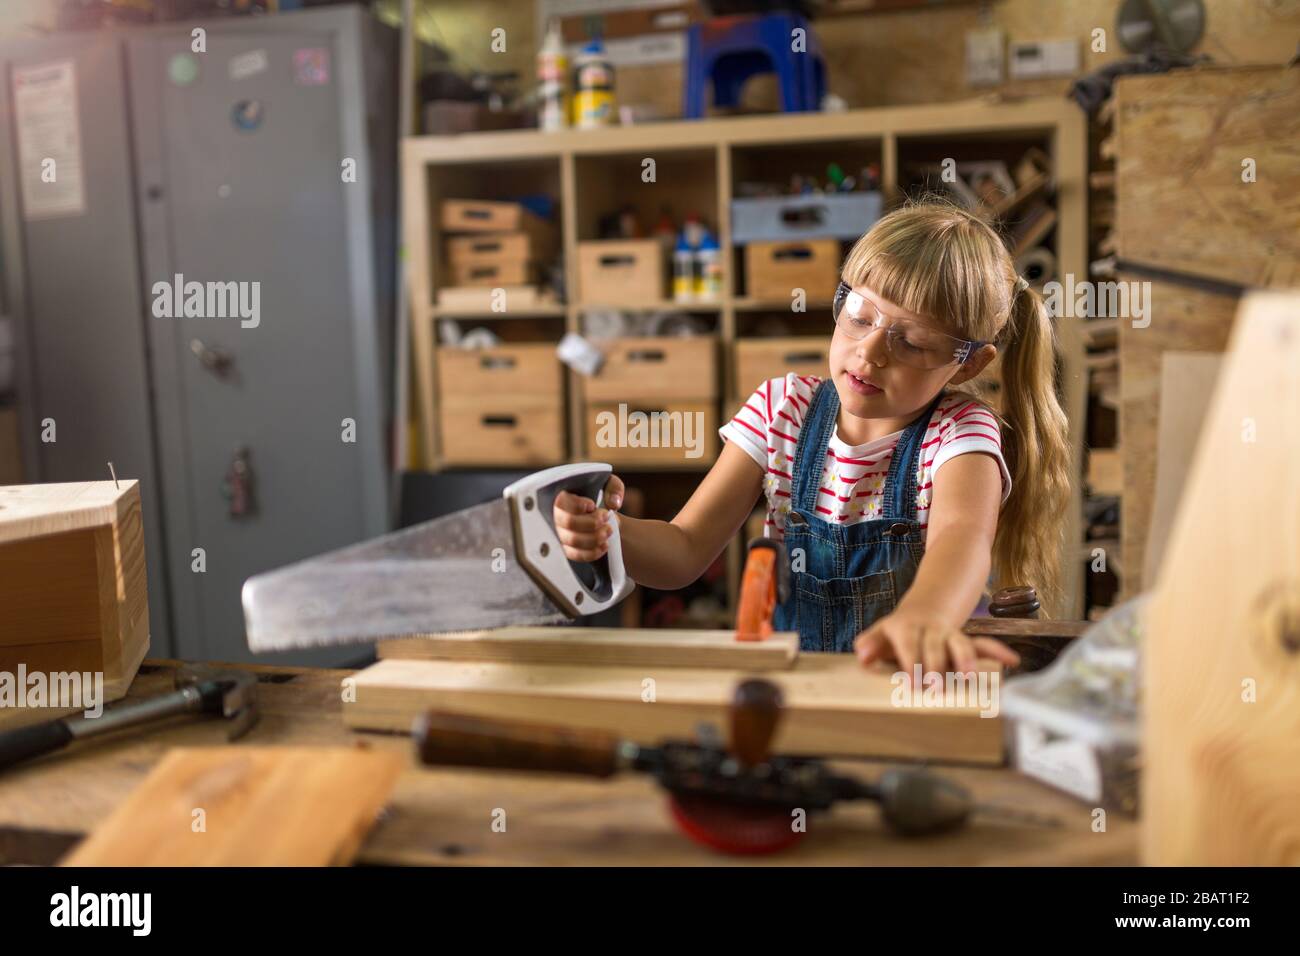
(984, 57)
(1044, 58)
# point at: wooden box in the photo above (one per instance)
(492, 274)
(655, 368)
(621, 272)
(502, 430)
(757, 360)
(522, 370)
(651, 433)
(493, 248)
(773, 270)
(481, 215)
(72, 581)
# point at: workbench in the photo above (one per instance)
(444, 817)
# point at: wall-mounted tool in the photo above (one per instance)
(739, 800)
(227, 693)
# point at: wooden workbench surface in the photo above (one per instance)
(445, 817)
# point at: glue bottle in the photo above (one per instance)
(594, 103)
(552, 81)
(684, 270)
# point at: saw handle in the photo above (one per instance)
(462, 740)
(578, 588)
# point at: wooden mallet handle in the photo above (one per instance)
(460, 740)
(755, 712)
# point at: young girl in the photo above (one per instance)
(895, 491)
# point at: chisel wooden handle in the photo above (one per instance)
(459, 740)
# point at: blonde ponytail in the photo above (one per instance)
(1030, 532)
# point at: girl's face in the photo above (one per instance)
(872, 384)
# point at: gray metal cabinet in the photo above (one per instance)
(237, 183)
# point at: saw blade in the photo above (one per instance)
(454, 573)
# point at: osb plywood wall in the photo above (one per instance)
(885, 58)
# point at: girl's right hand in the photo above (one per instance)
(584, 529)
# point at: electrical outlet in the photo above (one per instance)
(1044, 58)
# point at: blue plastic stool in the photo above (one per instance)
(727, 51)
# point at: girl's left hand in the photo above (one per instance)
(910, 638)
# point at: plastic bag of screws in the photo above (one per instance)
(1075, 725)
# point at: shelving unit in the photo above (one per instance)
(697, 166)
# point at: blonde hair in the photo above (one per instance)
(937, 260)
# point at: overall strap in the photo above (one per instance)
(814, 436)
(900, 484)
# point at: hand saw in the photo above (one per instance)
(492, 565)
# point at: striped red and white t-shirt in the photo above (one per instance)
(853, 479)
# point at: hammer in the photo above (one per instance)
(199, 689)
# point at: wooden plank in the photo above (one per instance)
(246, 806)
(1182, 319)
(1187, 382)
(1221, 735)
(1181, 202)
(629, 647)
(833, 704)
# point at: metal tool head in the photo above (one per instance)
(230, 693)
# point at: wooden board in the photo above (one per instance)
(1181, 203)
(1187, 382)
(1182, 319)
(631, 647)
(833, 704)
(1221, 735)
(261, 806)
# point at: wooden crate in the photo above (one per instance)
(623, 272)
(612, 427)
(523, 370)
(494, 248)
(655, 368)
(492, 274)
(758, 360)
(502, 431)
(773, 270)
(481, 215)
(72, 581)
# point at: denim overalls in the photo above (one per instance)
(844, 577)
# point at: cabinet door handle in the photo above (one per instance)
(217, 361)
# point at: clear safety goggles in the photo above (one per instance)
(908, 343)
